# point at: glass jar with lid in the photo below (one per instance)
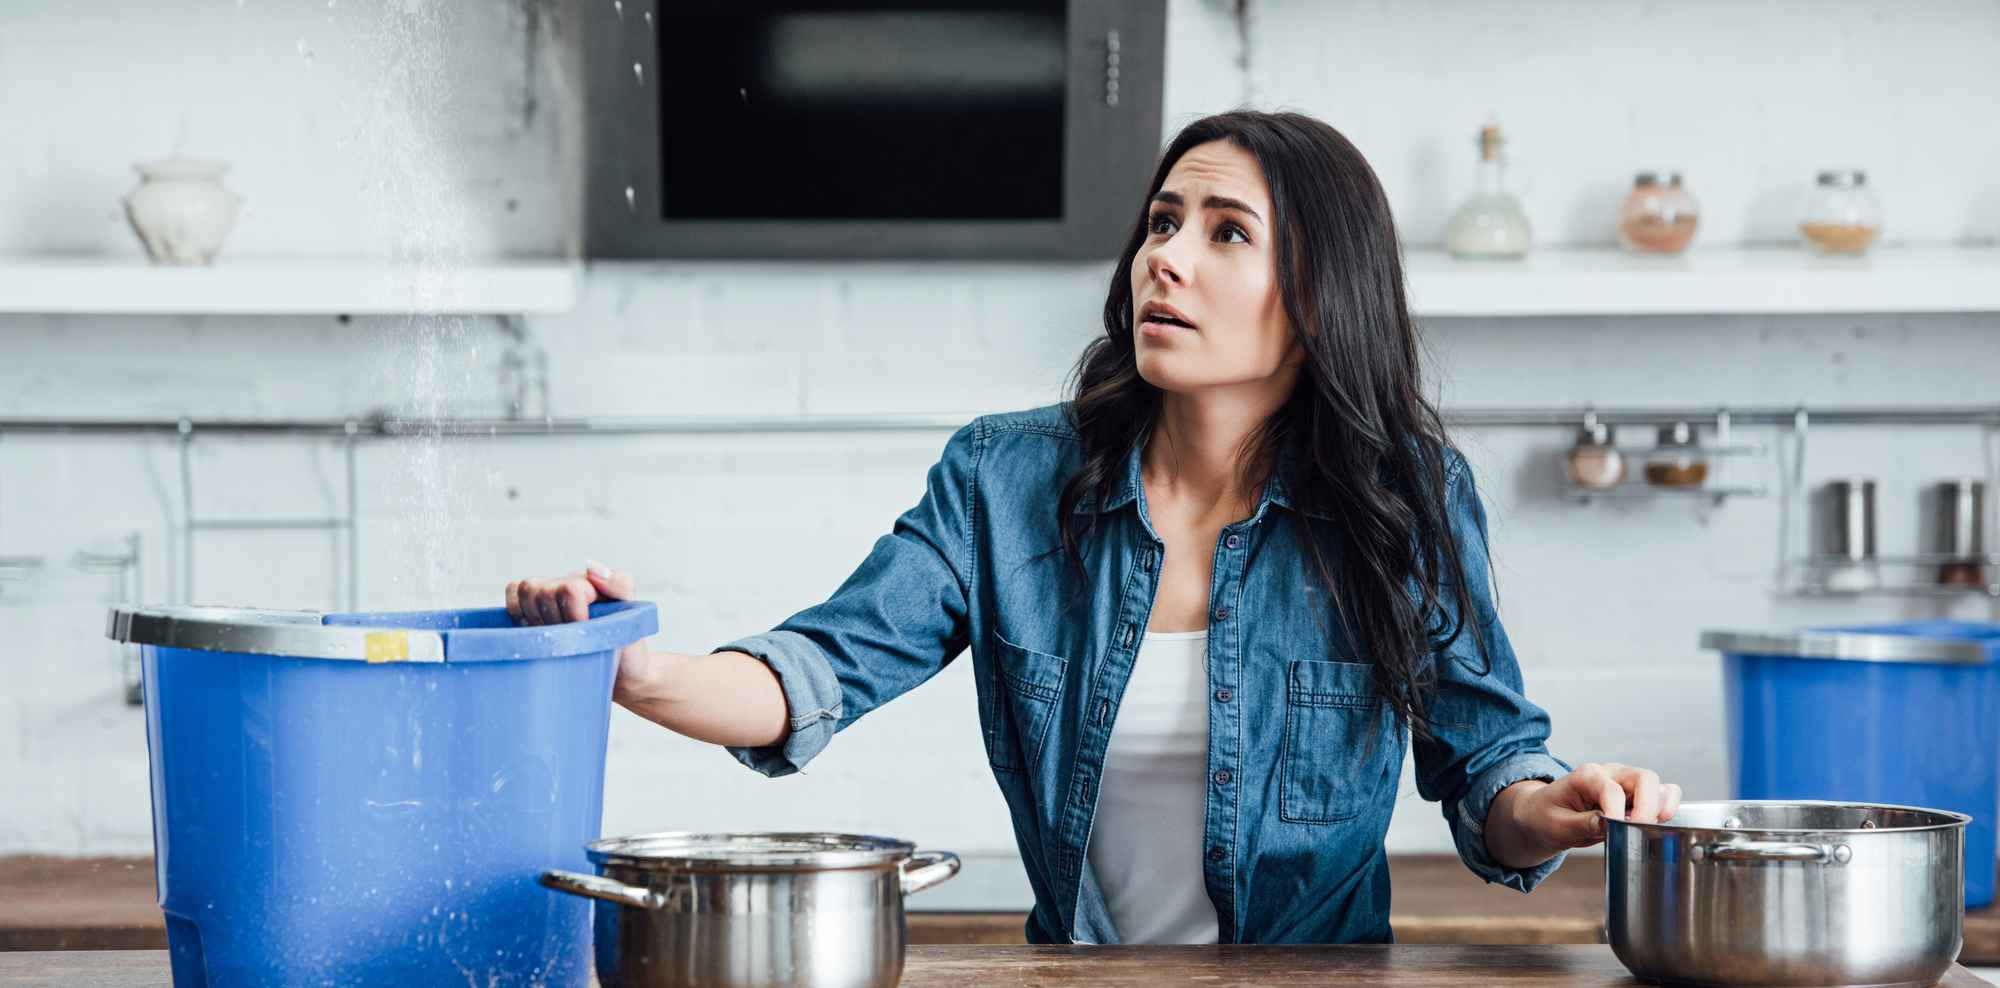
(1677, 460)
(1843, 215)
(1657, 218)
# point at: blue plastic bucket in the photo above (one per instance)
(1892, 713)
(368, 799)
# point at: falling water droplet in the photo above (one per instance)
(619, 6)
(649, 18)
(631, 200)
(639, 73)
(305, 50)
(743, 94)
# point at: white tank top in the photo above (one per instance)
(1146, 842)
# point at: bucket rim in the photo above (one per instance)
(1850, 646)
(466, 635)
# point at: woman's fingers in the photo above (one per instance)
(524, 602)
(552, 601)
(1599, 784)
(541, 599)
(1617, 789)
(610, 584)
(1644, 787)
(1574, 828)
(573, 597)
(531, 601)
(566, 598)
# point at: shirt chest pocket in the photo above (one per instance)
(1338, 744)
(1020, 702)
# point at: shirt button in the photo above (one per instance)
(1223, 696)
(1222, 614)
(1217, 854)
(1222, 778)
(1233, 541)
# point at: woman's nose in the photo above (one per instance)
(1161, 266)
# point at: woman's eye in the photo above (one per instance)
(1163, 223)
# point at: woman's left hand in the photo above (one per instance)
(1570, 811)
(1531, 822)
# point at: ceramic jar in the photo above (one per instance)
(181, 211)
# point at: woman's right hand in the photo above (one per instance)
(566, 598)
(726, 698)
(562, 599)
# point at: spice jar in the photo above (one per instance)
(1843, 214)
(1655, 218)
(1594, 461)
(1677, 460)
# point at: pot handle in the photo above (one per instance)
(1757, 852)
(937, 867)
(599, 887)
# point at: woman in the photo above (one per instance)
(1210, 599)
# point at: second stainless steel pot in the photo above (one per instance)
(1787, 893)
(752, 910)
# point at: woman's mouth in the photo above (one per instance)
(1163, 327)
(1156, 319)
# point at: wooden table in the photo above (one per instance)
(98, 903)
(1400, 966)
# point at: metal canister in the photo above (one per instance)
(1961, 531)
(1847, 519)
(1846, 522)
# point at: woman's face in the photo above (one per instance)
(1208, 256)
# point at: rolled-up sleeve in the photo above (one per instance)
(1486, 735)
(896, 621)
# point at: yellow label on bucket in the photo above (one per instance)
(388, 646)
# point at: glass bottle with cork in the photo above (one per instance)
(1491, 224)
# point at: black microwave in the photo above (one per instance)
(893, 128)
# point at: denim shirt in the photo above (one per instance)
(1303, 762)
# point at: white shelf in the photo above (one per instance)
(283, 286)
(1549, 282)
(1608, 281)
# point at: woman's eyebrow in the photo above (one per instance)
(1212, 202)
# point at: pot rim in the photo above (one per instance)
(720, 851)
(1952, 819)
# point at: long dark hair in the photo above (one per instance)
(1367, 451)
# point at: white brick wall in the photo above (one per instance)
(730, 534)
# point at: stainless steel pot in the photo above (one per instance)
(752, 910)
(1787, 893)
